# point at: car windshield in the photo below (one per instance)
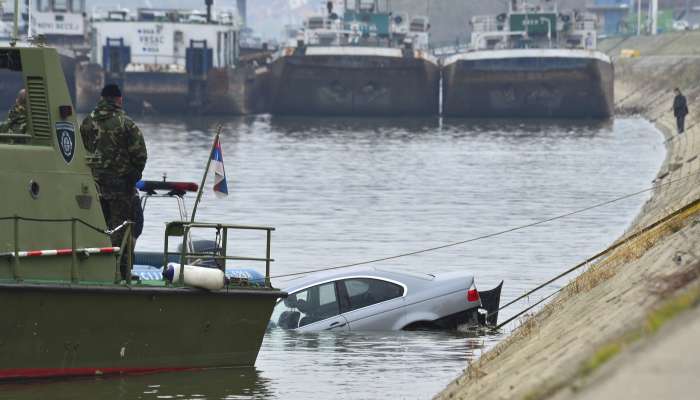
(307, 306)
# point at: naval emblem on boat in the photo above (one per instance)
(66, 140)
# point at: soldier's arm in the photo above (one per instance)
(22, 122)
(6, 126)
(137, 147)
(88, 133)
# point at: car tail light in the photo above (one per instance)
(472, 294)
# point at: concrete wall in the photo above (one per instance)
(548, 355)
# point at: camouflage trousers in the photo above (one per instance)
(118, 208)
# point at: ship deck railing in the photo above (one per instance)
(74, 250)
(173, 229)
(219, 254)
(486, 23)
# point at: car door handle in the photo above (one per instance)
(337, 324)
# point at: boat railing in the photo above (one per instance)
(175, 228)
(486, 23)
(74, 250)
(161, 63)
(219, 255)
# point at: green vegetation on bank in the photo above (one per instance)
(656, 319)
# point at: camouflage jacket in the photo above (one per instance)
(118, 146)
(16, 120)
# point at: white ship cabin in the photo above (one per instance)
(365, 23)
(534, 24)
(60, 22)
(6, 22)
(165, 40)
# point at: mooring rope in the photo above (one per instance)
(635, 91)
(87, 224)
(511, 319)
(626, 240)
(494, 234)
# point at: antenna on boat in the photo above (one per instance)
(15, 28)
(208, 3)
(29, 19)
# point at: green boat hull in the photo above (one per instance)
(65, 310)
(71, 330)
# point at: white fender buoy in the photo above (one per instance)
(199, 277)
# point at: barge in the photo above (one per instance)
(367, 62)
(170, 61)
(531, 62)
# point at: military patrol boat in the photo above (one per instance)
(367, 62)
(534, 61)
(66, 312)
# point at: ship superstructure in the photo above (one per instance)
(166, 60)
(367, 61)
(532, 61)
(5, 23)
(59, 24)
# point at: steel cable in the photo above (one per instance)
(87, 224)
(491, 235)
(589, 260)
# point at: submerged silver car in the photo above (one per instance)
(379, 299)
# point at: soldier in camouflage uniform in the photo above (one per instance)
(120, 157)
(17, 117)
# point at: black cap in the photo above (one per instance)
(111, 90)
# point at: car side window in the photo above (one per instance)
(307, 306)
(363, 292)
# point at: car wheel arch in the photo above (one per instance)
(420, 325)
(411, 319)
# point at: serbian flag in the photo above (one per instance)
(217, 159)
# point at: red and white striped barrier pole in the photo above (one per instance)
(61, 252)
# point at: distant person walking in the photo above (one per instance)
(680, 110)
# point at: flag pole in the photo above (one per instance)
(206, 171)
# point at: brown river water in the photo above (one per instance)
(346, 190)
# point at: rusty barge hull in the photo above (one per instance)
(241, 91)
(354, 85)
(532, 83)
(226, 91)
(146, 92)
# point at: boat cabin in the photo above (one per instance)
(369, 23)
(59, 22)
(164, 40)
(534, 24)
(50, 201)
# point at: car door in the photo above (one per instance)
(319, 308)
(369, 303)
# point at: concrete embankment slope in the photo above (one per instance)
(608, 309)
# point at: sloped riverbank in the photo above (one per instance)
(607, 310)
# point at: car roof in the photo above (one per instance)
(406, 278)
